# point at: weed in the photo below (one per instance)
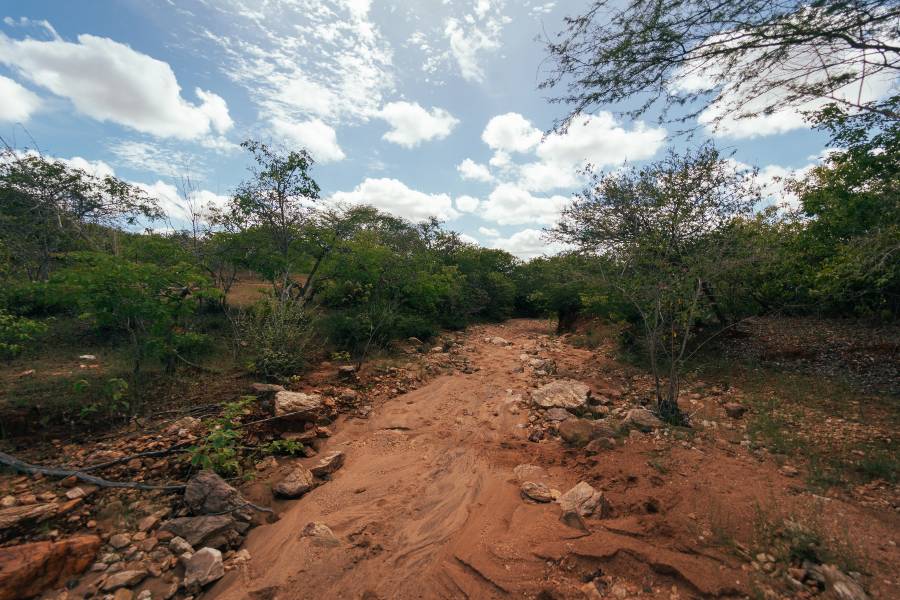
(219, 451)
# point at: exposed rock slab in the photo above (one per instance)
(299, 406)
(28, 569)
(298, 482)
(204, 567)
(562, 393)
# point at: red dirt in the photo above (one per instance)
(427, 505)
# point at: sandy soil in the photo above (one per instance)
(427, 505)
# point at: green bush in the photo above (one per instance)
(276, 334)
(16, 333)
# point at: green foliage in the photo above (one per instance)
(110, 402)
(219, 450)
(276, 333)
(16, 333)
(283, 447)
(149, 303)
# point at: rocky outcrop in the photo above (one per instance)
(585, 500)
(562, 393)
(204, 567)
(28, 569)
(215, 531)
(328, 464)
(208, 494)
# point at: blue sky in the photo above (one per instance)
(418, 107)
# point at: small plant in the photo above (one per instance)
(219, 451)
(113, 398)
(16, 333)
(283, 447)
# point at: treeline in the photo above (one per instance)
(341, 280)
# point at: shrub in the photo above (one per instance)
(276, 333)
(16, 333)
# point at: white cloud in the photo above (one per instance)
(303, 59)
(469, 239)
(16, 102)
(773, 180)
(475, 34)
(500, 160)
(314, 135)
(600, 140)
(467, 204)
(395, 197)
(175, 206)
(469, 169)
(411, 124)
(146, 156)
(488, 232)
(97, 168)
(109, 81)
(509, 204)
(511, 132)
(527, 244)
(542, 177)
(805, 66)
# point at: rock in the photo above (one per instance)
(574, 520)
(536, 491)
(499, 341)
(600, 444)
(321, 534)
(558, 414)
(789, 471)
(28, 569)
(642, 418)
(120, 540)
(562, 393)
(536, 435)
(123, 594)
(145, 595)
(267, 388)
(179, 546)
(585, 500)
(8, 501)
(122, 579)
(204, 567)
(217, 531)
(530, 473)
(207, 493)
(298, 482)
(26, 511)
(148, 523)
(300, 406)
(347, 373)
(840, 584)
(576, 432)
(735, 410)
(328, 464)
(75, 492)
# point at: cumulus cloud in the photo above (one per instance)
(511, 132)
(509, 204)
(489, 232)
(411, 124)
(467, 204)
(17, 103)
(395, 197)
(527, 244)
(314, 135)
(97, 168)
(469, 169)
(109, 81)
(159, 159)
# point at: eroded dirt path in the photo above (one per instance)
(427, 505)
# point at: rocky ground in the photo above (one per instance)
(500, 463)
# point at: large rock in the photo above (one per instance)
(298, 482)
(329, 463)
(122, 579)
(216, 531)
(537, 491)
(208, 494)
(28, 569)
(204, 567)
(558, 414)
(576, 432)
(585, 500)
(841, 585)
(321, 534)
(562, 393)
(642, 419)
(300, 406)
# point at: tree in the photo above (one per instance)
(661, 228)
(734, 58)
(277, 200)
(47, 207)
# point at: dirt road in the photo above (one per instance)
(427, 505)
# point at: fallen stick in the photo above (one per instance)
(23, 467)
